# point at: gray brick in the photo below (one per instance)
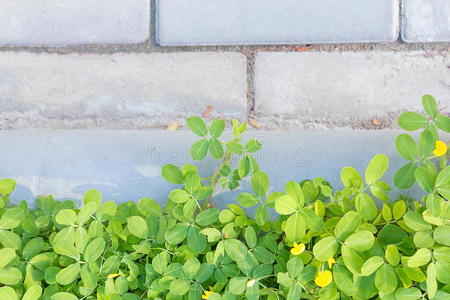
(118, 90)
(347, 87)
(426, 20)
(219, 22)
(63, 22)
(126, 165)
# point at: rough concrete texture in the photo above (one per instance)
(118, 90)
(218, 22)
(347, 87)
(426, 20)
(62, 22)
(125, 165)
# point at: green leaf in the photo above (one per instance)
(199, 149)
(244, 166)
(376, 168)
(392, 234)
(92, 196)
(196, 241)
(406, 146)
(197, 125)
(420, 258)
(216, 149)
(313, 221)
(430, 105)
(6, 256)
(371, 265)
(250, 237)
(247, 200)
(347, 225)
(177, 234)
(12, 218)
(360, 241)
(66, 217)
(179, 287)
(412, 121)
(294, 189)
(260, 183)
(191, 267)
(63, 296)
(344, 280)
(286, 205)
(415, 221)
(365, 206)
(423, 239)
(94, 250)
(33, 293)
(138, 227)
(179, 196)
(325, 248)
(10, 239)
(411, 293)
(235, 249)
(172, 174)
(442, 122)
(235, 147)
(426, 144)
(217, 128)
(353, 261)
(86, 212)
(7, 186)
(350, 177)
(207, 217)
(237, 285)
(295, 267)
(7, 292)
(10, 276)
(295, 227)
(399, 209)
(405, 177)
(253, 145)
(147, 206)
(68, 274)
(442, 235)
(425, 179)
(192, 182)
(392, 255)
(431, 280)
(386, 279)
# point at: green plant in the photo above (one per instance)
(326, 244)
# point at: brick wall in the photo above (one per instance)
(282, 63)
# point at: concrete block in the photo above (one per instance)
(68, 22)
(219, 22)
(119, 90)
(336, 88)
(426, 21)
(125, 165)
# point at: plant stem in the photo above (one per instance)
(215, 179)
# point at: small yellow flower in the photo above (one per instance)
(324, 278)
(331, 261)
(207, 294)
(298, 249)
(113, 275)
(441, 148)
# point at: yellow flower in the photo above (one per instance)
(298, 249)
(331, 261)
(324, 278)
(207, 294)
(441, 148)
(113, 275)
